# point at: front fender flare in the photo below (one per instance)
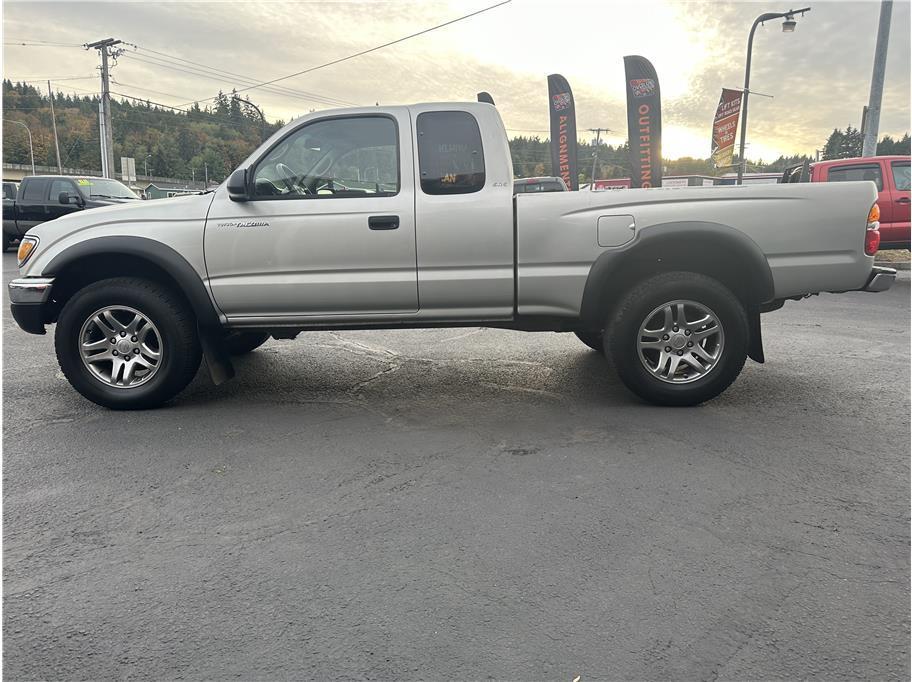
(188, 280)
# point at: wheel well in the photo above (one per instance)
(84, 271)
(711, 251)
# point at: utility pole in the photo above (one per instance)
(54, 122)
(206, 167)
(872, 121)
(598, 137)
(104, 49)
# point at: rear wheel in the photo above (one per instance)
(678, 338)
(127, 343)
(241, 343)
(592, 339)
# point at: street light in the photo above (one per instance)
(31, 149)
(788, 26)
(146, 165)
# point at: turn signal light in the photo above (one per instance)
(874, 214)
(26, 249)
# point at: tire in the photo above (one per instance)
(644, 307)
(241, 343)
(169, 329)
(595, 341)
(7, 242)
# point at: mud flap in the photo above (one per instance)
(216, 353)
(755, 342)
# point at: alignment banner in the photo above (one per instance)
(644, 121)
(563, 131)
(725, 126)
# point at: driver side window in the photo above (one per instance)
(340, 157)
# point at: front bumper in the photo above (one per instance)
(27, 298)
(880, 279)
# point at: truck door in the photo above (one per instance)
(329, 226)
(901, 197)
(464, 213)
(54, 208)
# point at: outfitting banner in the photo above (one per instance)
(644, 122)
(563, 131)
(725, 126)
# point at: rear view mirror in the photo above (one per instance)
(237, 185)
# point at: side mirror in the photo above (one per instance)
(237, 185)
(67, 198)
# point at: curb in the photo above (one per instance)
(896, 265)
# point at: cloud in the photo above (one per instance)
(819, 75)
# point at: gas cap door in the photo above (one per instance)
(614, 230)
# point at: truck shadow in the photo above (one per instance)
(566, 379)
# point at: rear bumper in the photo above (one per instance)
(880, 279)
(27, 298)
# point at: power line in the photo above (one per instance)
(137, 87)
(279, 89)
(40, 43)
(36, 79)
(374, 49)
(197, 72)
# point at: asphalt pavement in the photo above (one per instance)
(467, 504)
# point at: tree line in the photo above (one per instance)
(217, 137)
(169, 142)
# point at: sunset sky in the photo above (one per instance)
(819, 75)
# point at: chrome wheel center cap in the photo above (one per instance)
(124, 347)
(678, 341)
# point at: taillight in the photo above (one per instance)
(872, 241)
(872, 234)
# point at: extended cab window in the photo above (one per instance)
(855, 173)
(901, 175)
(350, 157)
(450, 157)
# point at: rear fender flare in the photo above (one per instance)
(713, 249)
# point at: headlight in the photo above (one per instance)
(26, 248)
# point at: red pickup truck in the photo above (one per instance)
(889, 173)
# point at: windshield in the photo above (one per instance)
(104, 189)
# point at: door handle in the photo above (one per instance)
(383, 222)
(904, 200)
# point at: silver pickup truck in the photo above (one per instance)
(403, 217)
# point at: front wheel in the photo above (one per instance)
(679, 338)
(127, 343)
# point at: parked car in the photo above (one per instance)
(531, 185)
(669, 285)
(45, 197)
(891, 176)
(9, 190)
